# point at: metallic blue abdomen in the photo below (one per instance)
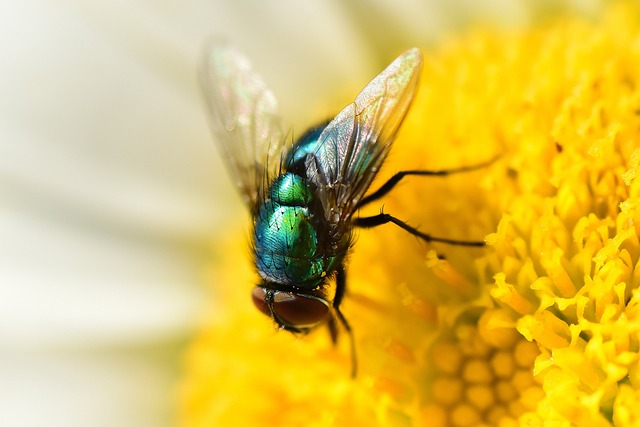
(286, 242)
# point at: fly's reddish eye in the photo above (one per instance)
(299, 310)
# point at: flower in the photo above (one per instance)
(538, 328)
(112, 190)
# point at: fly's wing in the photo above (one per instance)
(244, 118)
(355, 143)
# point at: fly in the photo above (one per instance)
(303, 198)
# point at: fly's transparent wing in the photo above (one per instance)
(244, 118)
(355, 143)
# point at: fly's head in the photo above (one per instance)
(296, 310)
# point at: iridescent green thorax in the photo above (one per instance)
(287, 246)
(307, 144)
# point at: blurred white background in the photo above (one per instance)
(112, 192)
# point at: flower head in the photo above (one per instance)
(540, 325)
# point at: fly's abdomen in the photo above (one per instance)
(286, 240)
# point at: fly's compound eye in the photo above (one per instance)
(298, 311)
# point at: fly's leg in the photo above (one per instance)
(383, 218)
(341, 286)
(332, 326)
(388, 186)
